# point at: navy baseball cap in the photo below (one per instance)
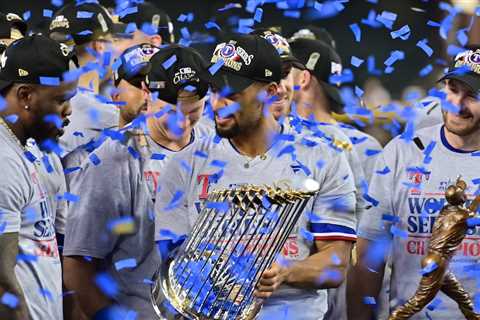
(79, 23)
(37, 60)
(466, 68)
(246, 59)
(322, 61)
(148, 17)
(133, 65)
(175, 68)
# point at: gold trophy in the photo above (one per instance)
(448, 232)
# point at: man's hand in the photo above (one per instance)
(270, 281)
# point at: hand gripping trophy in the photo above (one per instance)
(448, 232)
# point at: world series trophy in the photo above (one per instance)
(237, 236)
(448, 232)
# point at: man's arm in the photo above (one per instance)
(8, 280)
(364, 280)
(325, 269)
(79, 277)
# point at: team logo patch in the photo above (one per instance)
(234, 57)
(469, 59)
(3, 60)
(279, 42)
(184, 75)
(59, 22)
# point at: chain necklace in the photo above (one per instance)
(12, 135)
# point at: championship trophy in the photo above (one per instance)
(238, 235)
(448, 232)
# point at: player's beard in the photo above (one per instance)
(44, 132)
(464, 125)
(242, 123)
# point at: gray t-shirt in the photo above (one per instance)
(196, 172)
(409, 184)
(120, 186)
(25, 209)
(89, 117)
(53, 178)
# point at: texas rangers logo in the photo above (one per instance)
(228, 51)
(418, 177)
(234, 57)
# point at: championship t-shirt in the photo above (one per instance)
(118, 189)
(216, 164)
(409, 183)
(89, 118)
(25, 208)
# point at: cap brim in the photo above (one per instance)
(471, 80)
(334, 93)
(4, 84)
(222, 79)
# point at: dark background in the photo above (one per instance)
(376, 42)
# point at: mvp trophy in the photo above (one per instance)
(448, 232)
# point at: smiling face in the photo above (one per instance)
(467, 121)
(134, 100)
(281, 107)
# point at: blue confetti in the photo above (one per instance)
(47, 164)
(307, 235)
(126, 264)
(84, 14)
(175, 201)
(71, 197)
(462, 37)
(169, 62)
(26, 15)
(26, 258)
(425, 70)
(212, 25)
(395, 56)
(12, 118)
(370, 199)
(55, 119)
(30, 157)
(106, 284)
(94, 159)
(47, 13)
(218, 163)
(402, 33)
(135, 154)
(200, 154)
(372, 152)
(356, 62)
(434, 304)
(422, 44)
(359, 93)
(387, 18)
(10, 300)
(219, 206)
(157, 156)
(295, 14)
(228, 110)
(383, 171)
(357, 32)
(258, 15)
(215, 67)
(429, 268)
(398, 232)
(230, 6)
(369, 300)
(127, 11)
(390, 218)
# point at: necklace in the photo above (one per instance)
(12, 135)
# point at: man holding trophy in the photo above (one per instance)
(411, 179)
(254, 151)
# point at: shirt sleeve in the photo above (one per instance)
(374, 224)
(96, 220)
(14, 194)
(171, 202)
(335, 202)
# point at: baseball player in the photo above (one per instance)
(115, 227)
(409, 183)
(249, 154)
(37, 108)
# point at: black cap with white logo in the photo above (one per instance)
(149, 18)
(37, 60)
(12, 26)
(314, 33)
(176, 68)
(322, 61)
(245, 59)
(133, 65)
(82, 23)
(466, 68)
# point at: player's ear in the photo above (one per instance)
(272, 89)
(305, 79)
(156, 40)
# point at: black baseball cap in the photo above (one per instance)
(12, 26)
(246, 59)
(466, 68)
(147, 16)
(176, 68)
(314, 33)
(133, 65)
(79, 23)
(36, 60)
(322, 61)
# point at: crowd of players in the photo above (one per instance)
(112, 136)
